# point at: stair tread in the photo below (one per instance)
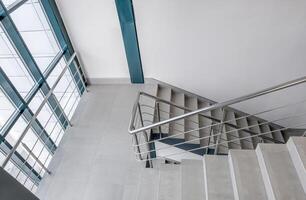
(223, 148)
(169, 182)
(246, 175)
(192, 122)
(277, 135)
(192, 180)
(266, 131)
(218, 183)
(279, 174)
(297, 150)
(205, 122)
(253, 126)
(148, 186)
(246, 143)
(232, 133)
(150, 104)
(164, 93)
(177, 127)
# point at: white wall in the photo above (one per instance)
(218, 49)
(94, 29)
(226, 48)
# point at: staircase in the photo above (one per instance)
(272, 172)
(238, 130)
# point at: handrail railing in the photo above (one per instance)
(214, 145)
(41, 106)
(269, 90)
(220, 125)
(213, 119)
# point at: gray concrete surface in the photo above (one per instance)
(11, 189)
(95, 159)
(246, 175)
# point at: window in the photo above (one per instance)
(13, 66)
(36, 32)
(66, 91)
(6, 109)
(31, 61)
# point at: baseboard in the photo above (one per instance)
(105, 81)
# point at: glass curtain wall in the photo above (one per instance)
(33, 54)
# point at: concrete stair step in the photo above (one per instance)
(279, 174)
(164, 93)
(148, 186)
(192, 180)
(205, 122)
(265, 128)
(253, 126)
(242, 123)
(192, 122)
(246, 175)
(232, 133)
(177, 127)
(169, 182)
(297, 151)
(218, 185)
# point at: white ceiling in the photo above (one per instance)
(217, 49)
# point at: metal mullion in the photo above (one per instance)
(19, 161)
(54, 63)
(10, 123)
(50, 68)
(14, 6)
(51, 11)
(23, 109)
(15, 37)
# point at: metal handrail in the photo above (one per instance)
(221, 143)
(269, 90)
(227, 132)
(226, 123)
(47, 96)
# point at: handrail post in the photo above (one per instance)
(145, 135)
(220, 131)
(137, 145)
(209, 139)
(158, 117)
(80, 75)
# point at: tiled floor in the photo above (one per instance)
(95, 158)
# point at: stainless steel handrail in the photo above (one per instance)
(226, 122)
(214, 145)
(214, 106)
(227, 132)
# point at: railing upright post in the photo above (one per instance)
(80, 75)
(210, 135)
(158, 117)
(145, 136)
(220, 131)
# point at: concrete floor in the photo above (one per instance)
(95, 159)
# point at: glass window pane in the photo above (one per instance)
(6, 109)
(16, 131)
(66, 91)
(13, 67)
(7, 3)
(36, 33)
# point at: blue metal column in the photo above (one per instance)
(129, 35)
